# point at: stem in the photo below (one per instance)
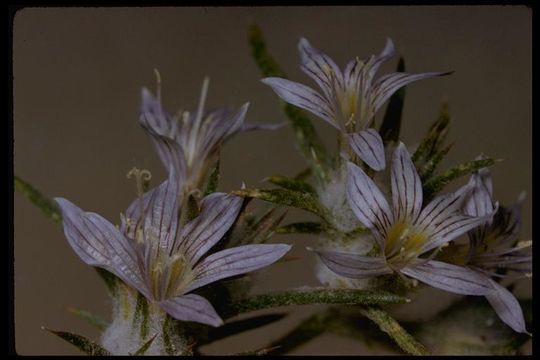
(390, 326)
(314, 296)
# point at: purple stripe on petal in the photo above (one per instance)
(369, 147)
(236, 261)
(441, 207)
(302, 96)
(320, 67)
(192, 307)
(368, 202)
(218, 213)
(98, 243)
(162, 214)
(406, 186)
(451, 227)
(388, 84)
(354, 266)
(451, 278)
(507, 307)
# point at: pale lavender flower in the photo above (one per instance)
(406, 230)
(190, 141)
(153, 253)
(350, 98)
(494, 246)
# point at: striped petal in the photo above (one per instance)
(221, 125)
(152, 115)
(406, 186)
(236, 261)
(218, 213)
(507, 307)
(302, 96)
(451, 226)
(161, 220)
(354, 266)
(192, 307)
(386, 54)
(320, 67)
(368, 202)
(451, 278)
(388, 84)
(369, 147)
(441, 207)
(99, 243)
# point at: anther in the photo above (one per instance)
(142, 177)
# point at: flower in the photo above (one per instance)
(161, 258)
(350, 98)
(405, 230)
(190, 141)
(494, 246)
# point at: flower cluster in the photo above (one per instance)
(409, 233)
(156, 250)
(376, 220)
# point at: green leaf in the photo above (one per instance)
(80, 342)
(307, 227)
(92, 319)
(291, 183)
(435, 184)
(310, 144)
(110, 280)
(213, 180)
(390, 326)
(144, 348)
(285, 197)
(429, 166)
(433, 140)
(391, 124)
(48, 207)
(314, 296)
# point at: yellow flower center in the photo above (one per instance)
(403, 242)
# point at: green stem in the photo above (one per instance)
(314, 296)
(390, 326)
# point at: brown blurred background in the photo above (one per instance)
(77, 79)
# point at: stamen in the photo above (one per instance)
(142, 177)
(158, 85)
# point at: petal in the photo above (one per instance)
(98, 243)
(386, 54)
(161, 218)
(153, 117)
(192, 307)
(406, 185)
(369, 147)
(480, 201)
(218, 213)
(354, 266)
(320, 67)
(507, 307)
(451, 226)
(368, 202)
(236, 261)
(388, 84)
(302, 96)
(451, 278)
(441, 208)
(252, 127)
(218, 127)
